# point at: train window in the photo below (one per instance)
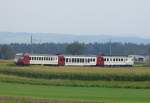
(69, 59)
(104, 59)
(114, 59)
(72, 59)
(66, 59)
(110, 59)
(82, 60)
(88, 60)
(107, 59)
(77, 60)
(121, 59)
(93, 60)
(39, 58)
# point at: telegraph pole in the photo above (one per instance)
(149, 55)
(110, 48)
(31, 44)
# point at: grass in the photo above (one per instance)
(112, 95)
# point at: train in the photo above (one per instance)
(72, 60)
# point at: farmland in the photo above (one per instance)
(99, 84)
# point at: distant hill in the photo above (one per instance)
(22, 37)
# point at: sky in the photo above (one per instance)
(79, 17)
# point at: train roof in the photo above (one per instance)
(42, 55)
(105, 56)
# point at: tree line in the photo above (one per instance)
(7, 51)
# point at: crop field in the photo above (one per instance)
(76, 84)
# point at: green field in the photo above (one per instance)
(112, 95)
(100, 84)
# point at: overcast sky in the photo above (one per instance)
(110, 17)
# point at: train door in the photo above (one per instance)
(26, 59)
(61, 60)
(100, 61)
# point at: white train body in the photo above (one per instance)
(44, 59)
(80, 60)
(118, 61)
(73, 60)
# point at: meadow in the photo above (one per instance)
(76, 84)
(91, 94)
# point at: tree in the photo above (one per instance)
(6, 52)
(75, 48)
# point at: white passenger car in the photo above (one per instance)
(44, 59)
(118, 61)
(80, 60)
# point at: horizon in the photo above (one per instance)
(24, 37)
